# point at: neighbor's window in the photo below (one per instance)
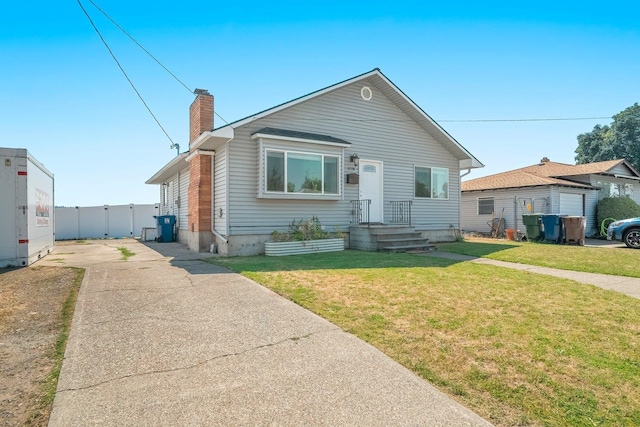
(613, 189)
(301, 173)
(485, 205)
(431, 183)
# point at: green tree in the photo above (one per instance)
(620, 140)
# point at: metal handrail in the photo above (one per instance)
(360, 211)
(401, 211)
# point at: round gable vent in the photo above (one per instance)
(366, 93)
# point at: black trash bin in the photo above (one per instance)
(165, 226)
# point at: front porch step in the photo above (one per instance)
(390, 238)
(427, 247)
(415, 240)
(398, 236)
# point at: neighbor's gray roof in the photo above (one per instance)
(300, 135)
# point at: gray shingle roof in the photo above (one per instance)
(301, 135)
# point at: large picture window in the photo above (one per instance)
(432, 183)
(293, 172)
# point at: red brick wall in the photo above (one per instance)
(200, 120)
(200, 193)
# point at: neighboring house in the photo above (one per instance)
(549, 188)
(325, 154)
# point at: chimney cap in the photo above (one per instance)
(201, 92)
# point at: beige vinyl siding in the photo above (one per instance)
(220, 190)
(377, 130)
(514, 201)
(591, 201)
(183, 210)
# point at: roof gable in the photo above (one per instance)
(392, 92)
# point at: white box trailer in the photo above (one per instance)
(26, 208)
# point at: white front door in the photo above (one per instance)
(370, 188)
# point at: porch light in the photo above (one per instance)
(355, 159)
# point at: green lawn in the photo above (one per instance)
(616, 261)
(516, 347)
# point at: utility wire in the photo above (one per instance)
(524, 120)
(147, 52)
(139, 45)
(124, 72)
(448, 121)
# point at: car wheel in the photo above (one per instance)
(631, 238)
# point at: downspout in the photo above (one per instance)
(515, 213)
(179, 203)
(460, 199)
(213, 200)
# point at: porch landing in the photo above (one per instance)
(390, 238)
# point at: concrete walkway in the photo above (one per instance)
(626, 285)
(165, 339)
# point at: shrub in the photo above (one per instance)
(617, 208)
(310, 229)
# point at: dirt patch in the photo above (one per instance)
(31, 321)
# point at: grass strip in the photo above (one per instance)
(612, 261)
(50, 383)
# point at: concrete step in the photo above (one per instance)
(391, 229)
(397, 236)
(382, 243)
(427, 247)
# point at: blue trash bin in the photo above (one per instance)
(165, 225)
(552, 225)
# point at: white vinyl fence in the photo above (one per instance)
(101, 222)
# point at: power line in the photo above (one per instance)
(139, 45)
(445, 120)
(147, 52)
(525, 120)
(124, 72)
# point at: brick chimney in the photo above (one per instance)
(200, 114)
(199, 222)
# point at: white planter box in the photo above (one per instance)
(303, 247)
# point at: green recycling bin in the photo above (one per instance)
(532, 223)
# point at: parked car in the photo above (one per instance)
(626, 230)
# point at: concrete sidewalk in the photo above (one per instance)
(626, 285)
(164, 339)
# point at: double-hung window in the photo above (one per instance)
(296, 172)
(485, 205)
(431, 183)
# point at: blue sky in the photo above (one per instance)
(63, 98)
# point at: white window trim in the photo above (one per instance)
(262, 179)
(431, 168)
(485, 198)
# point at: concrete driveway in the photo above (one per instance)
(165, 339)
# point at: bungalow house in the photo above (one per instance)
(548, 188)
(357, 152)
